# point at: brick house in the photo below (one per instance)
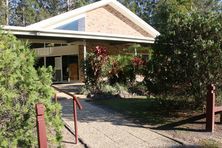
(63, 40)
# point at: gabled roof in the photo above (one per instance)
(46, 24)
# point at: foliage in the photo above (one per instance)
(139, 89)
(205, 143)
(21, 87)
(137, 62)
(113, 89)
(120, 69)
(26, 12)
(165, 10)
(3, 12)
(154, 12)
(95, 60)
(187, 57)
(106, 73)
(143, 8)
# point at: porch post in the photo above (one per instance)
(84, 50)
(84, 56)
(45, 61)
(61, 68)
(44, 57)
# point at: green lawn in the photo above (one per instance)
(150, 111)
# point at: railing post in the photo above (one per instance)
(221, 118)
(41, 129)
(75, 119)
(210, 109)
(56, 97)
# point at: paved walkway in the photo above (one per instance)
(69, 141)
(99, 128)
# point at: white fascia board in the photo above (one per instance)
(5, 27)
(20, 29)
(92, 33)
(134, 18)
(51, 21)
(82, 36)
(74, 34)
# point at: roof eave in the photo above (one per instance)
(75, 35)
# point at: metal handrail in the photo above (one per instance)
(75, 102)
(71, 95)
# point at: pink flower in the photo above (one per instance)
(137, 61)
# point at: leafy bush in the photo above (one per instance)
(95, 60)
(106, 72)
(21, 87)
(113, 89)
(187, 57)
(120, 69)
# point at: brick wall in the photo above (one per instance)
(108, 20)
(81, 59)
(112, 48)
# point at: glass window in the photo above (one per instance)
(76, 25)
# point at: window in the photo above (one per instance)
(76, 25)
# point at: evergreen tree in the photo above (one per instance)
(3, 12)
(21, 87)
(166, 9)
(187, 54)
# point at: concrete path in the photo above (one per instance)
(69, 141)
(99, 128)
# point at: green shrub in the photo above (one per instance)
(187, 57)
(113, 89)
(103, 70)
(119, 69)
(93, 64)
(21, 87)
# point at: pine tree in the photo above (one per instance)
(3, 12)
(21, 87)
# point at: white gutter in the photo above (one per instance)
(74, 34)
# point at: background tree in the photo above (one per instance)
(26, 12)
(3, 12)
(187, 55)
(143, 8)
(164, 10)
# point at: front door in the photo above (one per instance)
(70, 67)
(73, 72)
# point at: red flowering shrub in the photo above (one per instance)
(100, 51)
(93, 66)
(120, 69)
(137, 61)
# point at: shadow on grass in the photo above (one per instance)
(140, 111)
(175, 125)
(150, 111)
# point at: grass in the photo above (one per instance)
(210, 143)
(151, 111)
